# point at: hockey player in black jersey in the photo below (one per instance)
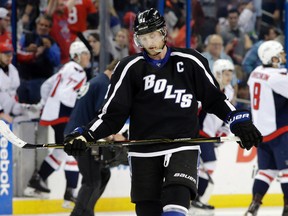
(159, 89)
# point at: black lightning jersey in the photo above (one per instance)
(160, 99)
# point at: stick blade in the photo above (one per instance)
(10, 136)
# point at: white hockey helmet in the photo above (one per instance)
(268, 50)
(222, 64)
(76, 48)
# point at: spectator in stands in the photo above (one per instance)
(5, 35)
(177, 7)
(177, 36)
(120, 44)
(247, 18)
(208, 7)
(224, 4)
(210, 19)
(78, 17)
(251, 59)
(94, 41)
(171, 20)
(198, 17)
(28, 11)
(214, 50)
(235, 41)
(46, 56)
(59, 11)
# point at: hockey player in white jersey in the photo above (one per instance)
(10, 108)
(269, 103)
(211, 126)
(59, 94)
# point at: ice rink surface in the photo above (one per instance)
(264, 211)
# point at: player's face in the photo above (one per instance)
(85, 59)
(151, 42)
(226, 77)
(5, 58)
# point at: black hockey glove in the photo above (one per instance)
(242, 126)
(75, 142)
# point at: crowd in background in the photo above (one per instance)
(230, 29)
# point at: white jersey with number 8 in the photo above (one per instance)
(269, 100)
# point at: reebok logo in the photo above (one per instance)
(4, 164)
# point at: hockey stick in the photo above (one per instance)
(9, 135)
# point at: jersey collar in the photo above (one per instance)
(158, 63)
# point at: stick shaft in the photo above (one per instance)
(9, 135)
(153, 141)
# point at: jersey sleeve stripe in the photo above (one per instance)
(229, 104)
(118, 84)
(185, 55)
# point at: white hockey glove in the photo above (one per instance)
(33, 111)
